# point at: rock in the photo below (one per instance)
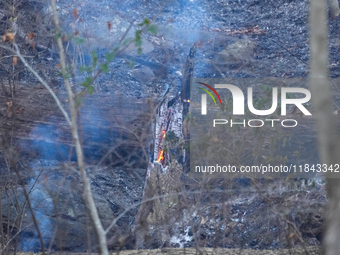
(143, 74)
(236, 53)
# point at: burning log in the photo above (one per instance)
(171, 119)
(170, 156)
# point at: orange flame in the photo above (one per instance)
(163, 133)
(188, 101)
(160, 156)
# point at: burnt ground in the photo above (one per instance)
(278, 29)
(278, 32)
(207, 251)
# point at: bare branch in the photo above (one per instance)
(41, 80)
(88, 197)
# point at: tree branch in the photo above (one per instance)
(88, 198)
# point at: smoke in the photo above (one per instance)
(47, 152)
(43, 209)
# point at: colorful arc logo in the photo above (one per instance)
(209, 93)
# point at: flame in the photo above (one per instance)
(163, 133)
(188, 101)
(160, 156)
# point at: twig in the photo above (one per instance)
(44, 83)
(297, 231)
(34, 219)
(291, 53)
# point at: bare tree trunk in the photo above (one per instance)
(328, 145)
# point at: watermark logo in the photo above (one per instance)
(204, 96)
(238, 99)
(251, 127)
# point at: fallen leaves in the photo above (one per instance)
(199, 44)
(29, 39)
(7, 37)
(75, 13)
(30, 36)
(9, 109)
(15, 60)
(46, 179)
(20, 110)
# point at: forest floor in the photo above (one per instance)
(205, 251)
(279, 31)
